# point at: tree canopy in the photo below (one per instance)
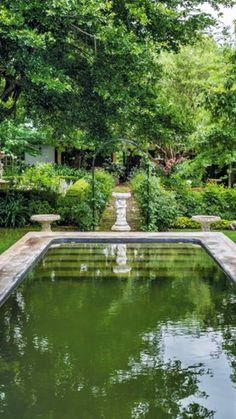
(89, 65)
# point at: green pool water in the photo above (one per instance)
(120, 331)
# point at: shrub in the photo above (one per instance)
(13, 212)
(220, 201)
(160, 205)
(165, 206)
(77, 214)
(17, 206)
(189, 201)
(222, 225)
(104, 183)
(187, 223)
(77, 206)
(40, 176)
(79, 190)
(117, 170)
(64, 171)
(46, 176)
(40, 207)
(211, 200)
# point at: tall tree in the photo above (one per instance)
(219, 140)
(86, 63)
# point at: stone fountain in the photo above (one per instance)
(205, 221)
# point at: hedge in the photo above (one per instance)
(174, 208)
(17, 206)
(79, 203)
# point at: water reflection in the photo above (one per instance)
(121, 260)
(160, 344)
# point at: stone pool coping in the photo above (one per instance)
(19, 258)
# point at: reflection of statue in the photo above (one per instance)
(121, 222)
(121, 260)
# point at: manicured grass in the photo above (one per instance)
(231, 235)
(9, 236)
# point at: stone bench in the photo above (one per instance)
(206, 221)
(45, 220)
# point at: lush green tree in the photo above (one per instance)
(90, 64)
(219, 140)
(172, 128)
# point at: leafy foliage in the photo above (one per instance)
(219, 141)
(167, 209)
(40, 177)
(16, 207)
(187, 223)
(154, 202)
(79, 206)
(38, 195)
(92, 65)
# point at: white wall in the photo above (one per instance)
(47, 155)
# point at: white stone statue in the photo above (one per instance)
(120, 204)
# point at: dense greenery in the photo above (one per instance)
(80, 205)
(81, 72)
(94, 74)
(37, 191)
(163, 209)
(46, 177)
(157, 206)
(17, 206)
(212, 199)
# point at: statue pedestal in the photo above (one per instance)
(121, 222)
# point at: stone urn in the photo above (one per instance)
(45, 220)
(206, 221)
(120, 205)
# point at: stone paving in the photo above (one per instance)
(16, 261)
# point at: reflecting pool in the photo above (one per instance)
(120, 331)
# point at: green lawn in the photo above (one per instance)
(231, 235)
(8, 236)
